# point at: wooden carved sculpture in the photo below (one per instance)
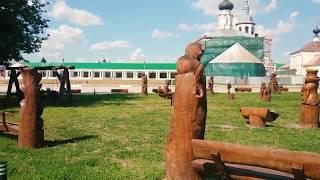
(166, 88)
(189, 117)
(258, 116)
(230, 95)
(210, 85)
(309, 117)
(262, 88)
(265, 93)
(273, 84)
(144, 88)
(31, 134)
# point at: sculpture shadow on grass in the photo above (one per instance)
(78, 100)
(53, 143)
(9, 136)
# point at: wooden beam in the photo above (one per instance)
(280, 160)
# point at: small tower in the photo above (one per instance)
(246, 23)
(225, 16)
(316, 32)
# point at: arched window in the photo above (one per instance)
(252, 30)
(240, 29)
(247, 29)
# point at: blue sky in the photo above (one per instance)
(158, 30)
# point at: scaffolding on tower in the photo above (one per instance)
(268, 62)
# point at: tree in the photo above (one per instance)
(22, 28)
(43, 60)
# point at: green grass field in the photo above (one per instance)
(123, 136)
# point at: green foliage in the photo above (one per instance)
(124, 136)
(22, 28)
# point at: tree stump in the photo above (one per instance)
(188, 123)
(309, 115)
(31, 134)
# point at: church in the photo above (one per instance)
(236, 52)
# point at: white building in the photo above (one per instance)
(229, 23)
(304, 58)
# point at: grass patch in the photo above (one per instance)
(123, 136)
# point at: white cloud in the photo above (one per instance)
(157, 34)
(316, 1)
(197, 27)
(110, 45)
(282, 27)
(62, 37)
(210, 7)
(61, 10)
(138, 55)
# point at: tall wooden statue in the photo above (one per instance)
(144, 88)
(189, 116)
(31, 134)
(273, 84)
(309, 117)
(210, 85)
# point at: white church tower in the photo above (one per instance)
(225, 16)
(246, 23)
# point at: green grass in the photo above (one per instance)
(123, 136)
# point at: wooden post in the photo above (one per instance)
(309, 115)
(31, 134)
(188, 122)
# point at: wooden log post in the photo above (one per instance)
(188, 122)
(31, 134)
(144, 86)
(309, 115)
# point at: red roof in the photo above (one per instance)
(311, 47)
(314, 62)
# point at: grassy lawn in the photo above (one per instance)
(123, 136)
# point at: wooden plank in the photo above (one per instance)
(280, 160)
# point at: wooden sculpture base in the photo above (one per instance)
(309, 116)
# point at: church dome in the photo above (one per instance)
(316, 30)
(225, 5)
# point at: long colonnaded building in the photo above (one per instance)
(108, 71)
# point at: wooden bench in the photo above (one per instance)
(119, 91)
(243, 89)
(284, 89)
(8, 127)
(258, 116)
(76, 91)
(234, 161)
